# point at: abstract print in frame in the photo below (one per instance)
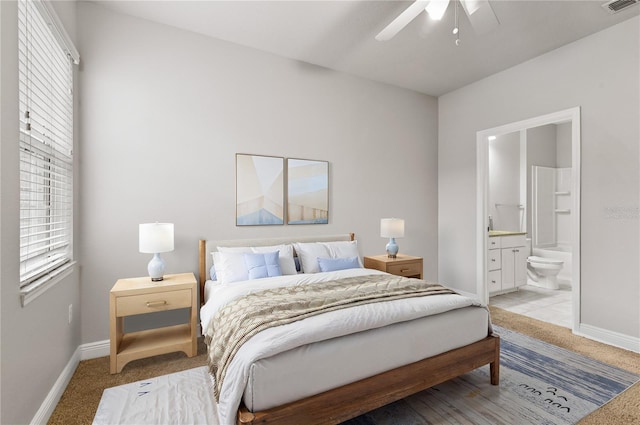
(259, 190)
(307, 191)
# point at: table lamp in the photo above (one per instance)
(154, 239)
(392, 228)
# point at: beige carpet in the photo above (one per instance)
(82, 396)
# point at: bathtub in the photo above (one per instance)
(559, 252)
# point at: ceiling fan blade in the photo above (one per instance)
(481, 15)
(402, 20)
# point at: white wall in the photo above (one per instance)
(563, 145)
(37, 341)
(607, 90)
(164, 111)
(542, 146)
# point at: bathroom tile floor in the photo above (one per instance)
(548, 305)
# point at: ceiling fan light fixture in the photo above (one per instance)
(402, 20)
(471, 6)
(480, 13)
(436, 9)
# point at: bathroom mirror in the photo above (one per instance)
(529, 184)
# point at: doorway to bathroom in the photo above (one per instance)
(528, 217)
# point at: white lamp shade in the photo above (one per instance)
(156, 237)
(392, 228)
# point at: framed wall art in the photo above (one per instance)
(307, 191)
(259, 190)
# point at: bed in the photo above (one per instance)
(334, 366)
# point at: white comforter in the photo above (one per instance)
(317, 328)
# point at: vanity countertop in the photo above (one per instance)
(493, 233)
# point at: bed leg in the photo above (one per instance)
(245, 416)
(494, 366)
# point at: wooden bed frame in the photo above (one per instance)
(352, 400)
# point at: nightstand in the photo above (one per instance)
(140, 296)
(402, 265)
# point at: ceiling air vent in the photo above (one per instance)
(616, 6)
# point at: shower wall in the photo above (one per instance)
(564, 202)
(551, 206)
(548, 146)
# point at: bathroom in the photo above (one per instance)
(529, 194)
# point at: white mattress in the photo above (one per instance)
(325, 365)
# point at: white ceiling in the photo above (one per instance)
(340, 34)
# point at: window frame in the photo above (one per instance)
(46, 138)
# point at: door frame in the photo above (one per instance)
(482, 221)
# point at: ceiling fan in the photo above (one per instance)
(479, 12)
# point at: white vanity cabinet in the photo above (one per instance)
(507, 262)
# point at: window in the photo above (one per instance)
(45, 63)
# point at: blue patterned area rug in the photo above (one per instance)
(539, 384)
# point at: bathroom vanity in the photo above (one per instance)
(507, 261)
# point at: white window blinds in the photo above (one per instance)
(46, 142)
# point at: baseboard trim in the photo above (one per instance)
(83, 352)
(609, 337)
(93, 350)
(51, 401)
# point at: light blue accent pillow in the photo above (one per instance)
(260, 265)
(333, 264)
(212, 273)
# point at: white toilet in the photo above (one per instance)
(543, 272)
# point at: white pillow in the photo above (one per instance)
(285, 256)
(230, 266)
(308, 254)
(343, 249)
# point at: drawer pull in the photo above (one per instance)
(156, 303)
(405, 270)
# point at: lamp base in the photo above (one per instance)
(392, 248)
(156, 268)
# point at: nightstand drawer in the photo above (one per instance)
(412, 269)
(402, 265)
(148, 303)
